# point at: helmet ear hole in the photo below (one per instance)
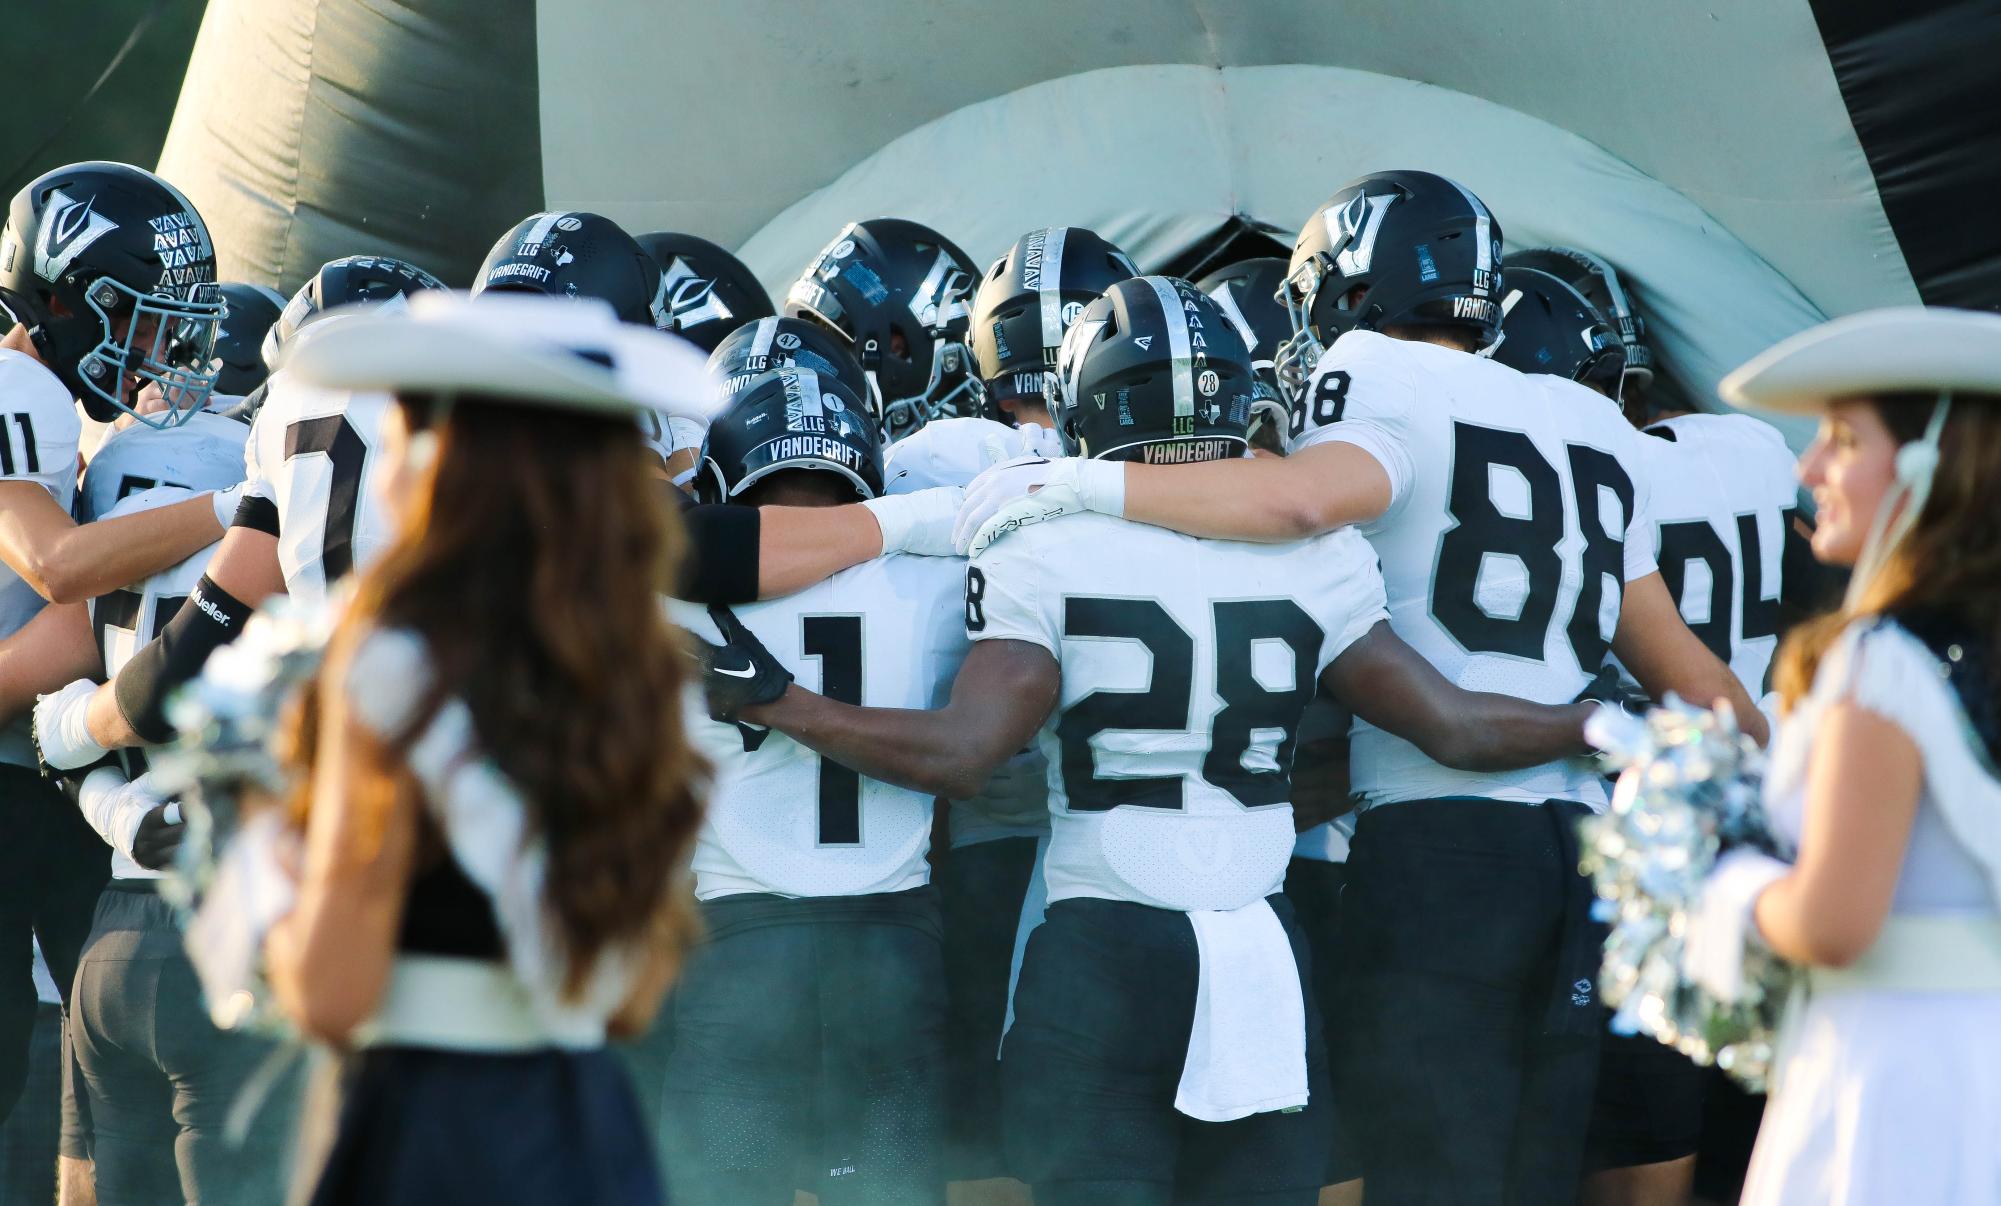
(1351, 301)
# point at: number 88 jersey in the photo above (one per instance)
(1518, 513)
(1186, 664)
(313, 453)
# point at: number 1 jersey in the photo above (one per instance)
(314, 453)
(1518, 512)
(1186, 664)
(884, 634)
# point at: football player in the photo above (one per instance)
(1165, 677)
(249, 313)
(707, 293)
(899, 293)
(152, 1081)
(1723, 505)
(806, 1037)
(1508, 512)
(109, 275)
(1028, 298)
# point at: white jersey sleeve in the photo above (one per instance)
(205, 453)
(1362, 393)
(781, 819)
(39, 432)
(952, 452)
(316, 454)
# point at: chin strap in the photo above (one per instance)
(1916, 462)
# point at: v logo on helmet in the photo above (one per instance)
(1353, 229)
(72, 227)
(692, 298)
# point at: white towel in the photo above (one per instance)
(1247, 1048)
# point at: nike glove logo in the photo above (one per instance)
(746, 672)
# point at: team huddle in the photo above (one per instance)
(1174, 805)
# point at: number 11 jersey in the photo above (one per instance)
(1518, 513)
(314, 453)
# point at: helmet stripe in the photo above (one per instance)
(1183, 359)
(761, 336)
(539, 232)
(1047, 286)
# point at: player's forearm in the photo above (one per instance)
(108, 726)
(927, 751)
(1268, 499)
(1499, 732)
(95, 558)
(48, 652)
(799, 546)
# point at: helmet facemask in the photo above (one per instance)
(175, 350)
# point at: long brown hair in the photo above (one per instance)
(1949, 560)
(530, 561)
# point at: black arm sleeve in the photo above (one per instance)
(722, 558)
(257, 513)
(208, 620)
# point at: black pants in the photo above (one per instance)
(158, 1079)
(1089, 1071)
(52, 865)
(28, 1141)
(981, 887)
(1314, 888)
(805, 1049)
(1470, 1022)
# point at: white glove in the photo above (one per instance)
(225, 504)
(919, 522)
(1032, 490)
(114, 807)
(1722, 925)
(62, 732)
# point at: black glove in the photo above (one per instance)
(740, 673)
(157, 840)
(1608, 687)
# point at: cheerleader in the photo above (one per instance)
(1888, 1083)
(498, 786)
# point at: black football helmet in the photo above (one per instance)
(757, 348)
(352, 280)
(575, 254)
(1154, 371)
(791, 418)
(112, 272)
(1029, 297)
(899, 291)
(248, 312)
(709, 293)
(1390, 248)
(1599, 282)
(1549, 327)
(1247, 292)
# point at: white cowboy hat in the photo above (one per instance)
(1902, 349)
(571, 354)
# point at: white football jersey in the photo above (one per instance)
(125, 620)
(1186, 665)
(39, 430)
(204, 453)
(1518, 513)
(888, 633)
(314, 454)
(1724, 494)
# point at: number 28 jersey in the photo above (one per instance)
(1519, 510)
(884, 634)
(1186, 664)
(314, 453)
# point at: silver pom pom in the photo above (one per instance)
(1688, 791)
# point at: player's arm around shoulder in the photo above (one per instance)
(1003, 691)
